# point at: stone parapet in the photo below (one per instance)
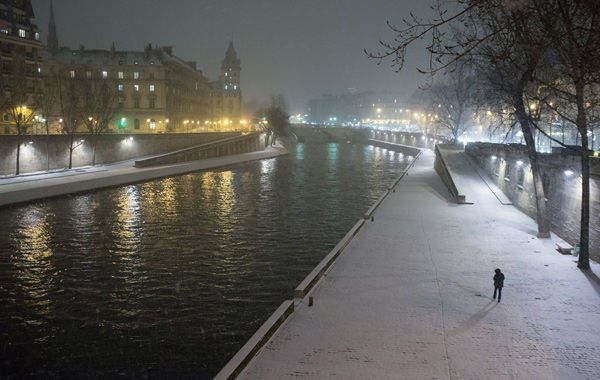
(508, 165)
(40, 152)
(224, 147)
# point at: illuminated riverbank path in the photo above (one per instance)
(25, 188)
(411, 298)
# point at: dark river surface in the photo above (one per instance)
(170, 278)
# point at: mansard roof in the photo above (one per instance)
(24, 5)
(150, 57)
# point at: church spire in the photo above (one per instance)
(52, 36)
(231, 60)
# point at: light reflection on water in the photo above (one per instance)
(171, 277)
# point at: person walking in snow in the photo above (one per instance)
(498, 283)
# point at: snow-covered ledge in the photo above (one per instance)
(233, 368)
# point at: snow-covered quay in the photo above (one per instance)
(411, 297)
(25, 188)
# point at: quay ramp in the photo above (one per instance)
(466, 178)
(410, 298)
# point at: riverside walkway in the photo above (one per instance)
(410, 297)
(29, 187)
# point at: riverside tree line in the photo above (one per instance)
(520, 59)
(86, 103)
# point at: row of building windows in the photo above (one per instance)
(104, 74)
(20, 32)
(137, 102)
(136, 87)
(151, 124)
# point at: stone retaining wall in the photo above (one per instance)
(508, 165)
(232, 145)
(442, 170)
(37, 149)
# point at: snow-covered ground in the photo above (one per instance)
(15, 189)
(411, 298)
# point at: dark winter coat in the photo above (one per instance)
(499, 280)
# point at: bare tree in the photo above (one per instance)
(574, 27)
(100, 104)
(70, 93)
(19, 102)
(524, 49)
(451, 98)
(47, 102)
(501, 39)
(277, 116)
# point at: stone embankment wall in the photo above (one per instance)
(232, 145)
(316, 133)
(37, 149)
(508, 165)
(416, 139)
(362, 135)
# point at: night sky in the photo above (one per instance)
(299, 48)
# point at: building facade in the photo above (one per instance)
(226, 93)
(155, 91)
(20, 60)
(359, 109)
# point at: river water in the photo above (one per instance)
(170, 278)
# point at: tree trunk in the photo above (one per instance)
(584, 237)
(47, 146)
(584, 232)
(540, 200)
(71, 153)
(18, 154)
(94, 150)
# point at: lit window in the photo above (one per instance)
(135, 62)
(22, 33)
(152, 124)
(151, 88)
(226, 74)
(39, 69)
(235, 87)
(37, 36)
(226, 87)
(121, 75)
(136, 75)
(105, 74)
(136, 87)
(72, 73)
(120, 87)
(4, 31)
